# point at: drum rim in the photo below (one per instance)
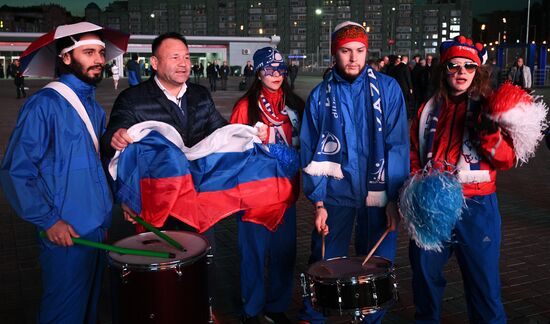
(361, 279)
(163, 265)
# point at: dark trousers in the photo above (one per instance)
(212, 84)
(20, 88)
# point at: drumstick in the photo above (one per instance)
(118, 249)
(376, 246)
(323, 246)
(160, 234)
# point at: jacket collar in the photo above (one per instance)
(79, 86)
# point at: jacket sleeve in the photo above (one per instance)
(397, 140)
(314, 186)
(20, 173)
(122, 116)
(240, 113)
(498, 148)
(527, 77)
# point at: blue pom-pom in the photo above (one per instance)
(431, 203)
(287, 156)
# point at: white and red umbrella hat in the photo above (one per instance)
(39, 58)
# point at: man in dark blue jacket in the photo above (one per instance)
(166, 97)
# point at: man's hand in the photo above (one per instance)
(128, 213)
(392, 216)
(262, 132)
(121, 139)
(321, 216)
(61, 233)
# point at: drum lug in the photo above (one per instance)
(209, 258)
(339, 291)
(178, 271)
(303, 283)
(374, 295)
(124, 273)
(395, 287)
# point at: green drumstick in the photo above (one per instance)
(160, 234)
(117, 249)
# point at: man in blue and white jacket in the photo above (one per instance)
(355, 149)
(53, 177)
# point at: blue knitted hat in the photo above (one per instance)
(267, 56)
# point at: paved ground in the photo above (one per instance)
(524, 196)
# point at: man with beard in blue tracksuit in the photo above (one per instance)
(53, 177)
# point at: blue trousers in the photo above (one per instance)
(370, 224)
(262, 249)
(476, 243)
(71, 279)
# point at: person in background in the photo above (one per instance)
(116, 74)
(248, 73)
(520, 74)
(213, 73)
(293, 73)
(494, 73)
(224, 74)
(419, 88)
(134, 71)
(402, 74)
(269, 100)
(354, 149)
(450, 130)
(19, 79)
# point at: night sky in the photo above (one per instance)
(77, 6)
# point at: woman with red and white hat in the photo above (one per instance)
(461, 126)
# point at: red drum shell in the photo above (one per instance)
(157, 290)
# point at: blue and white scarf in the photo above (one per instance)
(328, 156)
(468, 165)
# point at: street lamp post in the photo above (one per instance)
(527, 29)
(318, 12)
(392, 28)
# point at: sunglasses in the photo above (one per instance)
(455, 67)
(270, 71)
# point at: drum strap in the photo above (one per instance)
(75, 102)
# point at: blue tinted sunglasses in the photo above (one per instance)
(270, 70)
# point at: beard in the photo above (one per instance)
(81, 72)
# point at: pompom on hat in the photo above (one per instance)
(347, 32)
(267, 56)
(461, 46)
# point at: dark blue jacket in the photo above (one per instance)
(146, 101)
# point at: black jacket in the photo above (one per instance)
(146, 101)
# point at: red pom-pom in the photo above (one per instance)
(479, 46)
(507, 97)
(469, 41)
(461, 39)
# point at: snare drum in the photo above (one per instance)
(342, 286)
(157, 290)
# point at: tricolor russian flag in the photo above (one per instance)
(228, 171)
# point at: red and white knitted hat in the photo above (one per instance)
(347, 32)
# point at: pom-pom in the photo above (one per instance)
(431, 203)
(287, 156)
(522, 116)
